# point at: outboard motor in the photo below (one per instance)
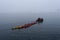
(39, 20)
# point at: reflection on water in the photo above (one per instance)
(48, 30)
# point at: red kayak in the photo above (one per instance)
(29, 24)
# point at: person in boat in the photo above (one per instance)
(39, 20)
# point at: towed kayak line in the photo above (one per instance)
(39, 20)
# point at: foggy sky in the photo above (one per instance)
(12, 6)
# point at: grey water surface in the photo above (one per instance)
(48, 30)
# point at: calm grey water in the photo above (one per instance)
(48, 30)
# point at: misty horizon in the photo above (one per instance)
(26, 6)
